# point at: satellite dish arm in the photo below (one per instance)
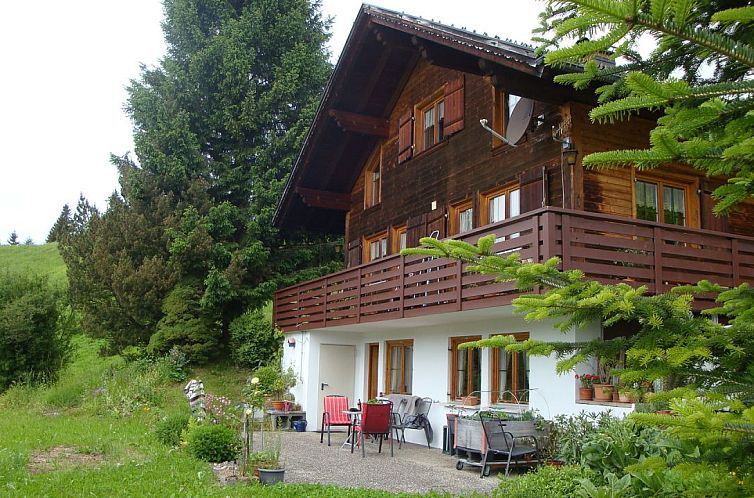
(495, 134)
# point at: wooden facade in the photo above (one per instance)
(381, 162)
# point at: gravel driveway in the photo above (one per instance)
(414, 469)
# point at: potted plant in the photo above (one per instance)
(587, 381)
(275, 383)
(603, 388)
(267, 461)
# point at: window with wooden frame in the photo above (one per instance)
(666, 199)
(465, 368)
(501, 204)
(502, 106)
(510, 374)
(373, 180)
(461, 217)
(374, 247)
(430, 122)
(399, 366)
(398, 239)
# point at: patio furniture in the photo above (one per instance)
(506, 443)
(415, 418)
(375, 421)
(332, 415)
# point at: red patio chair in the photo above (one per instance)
(332, 415)
(375, 421)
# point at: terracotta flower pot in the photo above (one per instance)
(471, 400)
(603, 392)
(278, 405)
(586, 393)
(625, 398)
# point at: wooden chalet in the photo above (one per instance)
(396, 152)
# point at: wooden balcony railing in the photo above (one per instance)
(607, 248)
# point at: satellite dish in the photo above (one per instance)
(518, 122)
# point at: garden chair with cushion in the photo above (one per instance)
(417, 418)
(376, 421)
(334, 414)
(510, 445)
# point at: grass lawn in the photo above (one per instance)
(43, 259)
(62, 440)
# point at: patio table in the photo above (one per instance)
(353, 415)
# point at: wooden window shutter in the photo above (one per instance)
(416, 229)
(405, 137)
(532, 183)
(709, 220)
(454, 106)
(354, 253)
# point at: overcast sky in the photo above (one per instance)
(62, 89)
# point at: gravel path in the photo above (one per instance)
(414, 468)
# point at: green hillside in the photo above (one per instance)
(43, 259)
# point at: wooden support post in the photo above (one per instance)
(736, 261)
(358, 296)
(459, 285)
(657, 248)
(565, 232)
(401, 284)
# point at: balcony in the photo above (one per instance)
(607, 248)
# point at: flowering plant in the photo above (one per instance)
(587, 380)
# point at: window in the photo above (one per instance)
(431, 129)
(663, 200)
(465, 368)
(501, 204)
(398, 239)
(510, 374)
(461, 217)
(399, 365)
(375, 247)
(502, 106)
(373, 181)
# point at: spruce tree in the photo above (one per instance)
(61, 227)
(698, 77)
(217, 126)
(13, 239)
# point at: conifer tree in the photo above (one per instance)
(216, 128)
(62, 225)
(13, 239)
(698, 77)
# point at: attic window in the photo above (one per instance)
(373, 181)
(432, 124)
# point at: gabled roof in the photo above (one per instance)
(379, 55)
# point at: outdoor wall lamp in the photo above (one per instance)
(569, 152)
(291, 342)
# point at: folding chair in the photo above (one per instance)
(418, 421)
(505, 443)
(375, 421)
(333, 415)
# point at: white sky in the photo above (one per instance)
(62, 89)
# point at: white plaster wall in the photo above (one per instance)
(551, 394)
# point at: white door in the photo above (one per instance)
(337, 368)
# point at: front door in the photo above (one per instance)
(337, 368)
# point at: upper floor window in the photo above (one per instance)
(510, 374)
(465, 368)
(661, 200)
(432, 124)
(373, 181)
(502, 107)
(461, 217)
(501, 204)
(375, 247)
(399, 364)
(398, 239)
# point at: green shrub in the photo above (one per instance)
(213, 443)
(169, 429)
(129, 387)
(185, 326)
(254, 342)
(34, 344)
(545, 481)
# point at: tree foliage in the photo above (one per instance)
(698, 77)
(62, 225)
(216, 128)
(13, 239)
(33, 344)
